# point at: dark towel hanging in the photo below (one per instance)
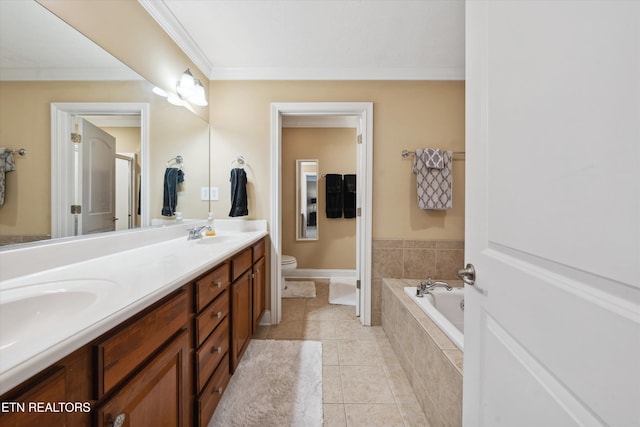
(349, 196)
(239, 205)
(172, 177)
(333, 184)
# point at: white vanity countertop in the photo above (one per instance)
(47, 315)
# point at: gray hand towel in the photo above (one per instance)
(435, 186)
(7, 164)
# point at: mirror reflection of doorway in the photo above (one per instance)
(307, 199)
(128, 123)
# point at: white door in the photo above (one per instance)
(125, 189)
(98, 179)
(552, 324)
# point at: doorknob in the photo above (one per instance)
(468, 274)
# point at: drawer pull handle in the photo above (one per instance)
(218, 285)
(219, 314)
(216, 350)
(219, 391)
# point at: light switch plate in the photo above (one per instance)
(213, 193)
(204, 193)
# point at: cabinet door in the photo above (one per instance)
(258, 292)
(59, 396)
(158, 395)
(51, 390)
(242, 317)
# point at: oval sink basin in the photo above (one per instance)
(42, 306)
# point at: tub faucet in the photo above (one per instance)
(425, 286)
(196, 232)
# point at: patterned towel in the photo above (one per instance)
(7, 164)
(435, 186)
(432, 157)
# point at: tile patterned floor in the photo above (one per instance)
(362, 380)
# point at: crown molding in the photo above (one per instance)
(161, 13)
(283, 73)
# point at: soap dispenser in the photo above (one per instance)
(211, 231)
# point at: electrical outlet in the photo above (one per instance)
(213, 193)
(204, 193)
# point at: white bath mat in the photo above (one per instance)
(277, 383)
(299, 289)
(342, 290)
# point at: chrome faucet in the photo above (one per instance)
(196, 232)
(425, 286)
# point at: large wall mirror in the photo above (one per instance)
(307, 199)
(44, 61)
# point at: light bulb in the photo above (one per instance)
(186, 85)
(198, 96)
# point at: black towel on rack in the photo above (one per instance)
(172, 177)
(239, 205)
(349, 196)
(333, 187)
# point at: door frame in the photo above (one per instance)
(363, 111)
(62, 152)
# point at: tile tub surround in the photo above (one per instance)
(431, 361)
(412, 259)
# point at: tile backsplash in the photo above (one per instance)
(412, 259)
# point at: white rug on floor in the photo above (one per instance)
(299, 289)
(342, 290)
(277, 383)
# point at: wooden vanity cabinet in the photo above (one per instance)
(241, 315)
(166, 366)
(211, 327)
(157, 395)
(143, 367)
(258, 286)
(247, 298)
(69, 380)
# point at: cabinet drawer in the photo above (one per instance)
(213, 392)
(240, 263)
(119, 354)
(258, 250)
(211, 352)
(211, 285)
(211, 317)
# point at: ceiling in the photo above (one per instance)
(255, 40)
(318, 39)
(37, 45)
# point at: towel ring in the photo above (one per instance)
(178, 159)
(239, 161)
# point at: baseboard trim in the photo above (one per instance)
(317, 273)
(266, 318)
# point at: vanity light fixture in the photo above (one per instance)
(191, 89)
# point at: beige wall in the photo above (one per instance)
(407, 115)
(25, 123)
(125, 30)
(335, 150)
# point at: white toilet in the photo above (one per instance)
(287, 262)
